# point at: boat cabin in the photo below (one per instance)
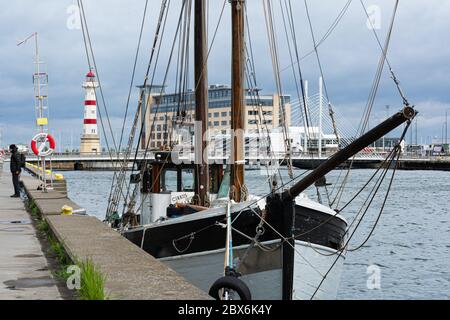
(168, 188)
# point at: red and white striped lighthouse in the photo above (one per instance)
(90, 141)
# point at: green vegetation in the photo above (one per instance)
(58, 249)
(92, 282)
(92, 279)
(32, 208)
(43, 226)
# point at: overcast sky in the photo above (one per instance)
(419, 54)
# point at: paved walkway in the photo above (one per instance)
(24, 272)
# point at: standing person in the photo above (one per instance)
(16, 169)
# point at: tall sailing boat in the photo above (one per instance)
(224, 240)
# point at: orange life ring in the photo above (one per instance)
(43, 137)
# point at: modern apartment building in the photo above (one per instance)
(263, 111)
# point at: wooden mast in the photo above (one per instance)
(201, 102)
(237, 99)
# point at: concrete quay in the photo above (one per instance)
(49, 202)
(131, 273)
(58, 182)
(24, 270)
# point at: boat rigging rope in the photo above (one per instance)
(206, 60)
(144, 15)
(393, 76)
(157, 107)
(86, 36)
(366, 204)
(319, 63)
(145, 161)
(371, 99)
(382, 206)
(376, 83)
(384, 164)
(260, 116)
(181, 80)
(329, 31)
(340, 251)
(254, 241)
(395, 156)
(161, 24)
(263, 221)
(89, 53)
(116, 174)
(181, 76)
(273, 49)
(302, 96)
(304, 99)
(118, 189)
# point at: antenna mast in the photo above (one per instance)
(40, 83)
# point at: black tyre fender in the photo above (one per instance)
(233, 283)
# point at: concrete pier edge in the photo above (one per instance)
(131, 273)
(25, 271)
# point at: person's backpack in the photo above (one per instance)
(22, 160)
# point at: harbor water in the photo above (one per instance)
(408, 255)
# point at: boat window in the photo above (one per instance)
(169, 181)
(224, 189)
(187, 180)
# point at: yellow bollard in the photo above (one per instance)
(66, 210)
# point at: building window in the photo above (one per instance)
(252, 112)
(224, 123)
(224, 114)
(209, 114)
(158, 136)
(267, 113)
(216, 123)
(252, 121)
(216, 114)
(158, 127)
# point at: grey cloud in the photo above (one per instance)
(418, 53)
